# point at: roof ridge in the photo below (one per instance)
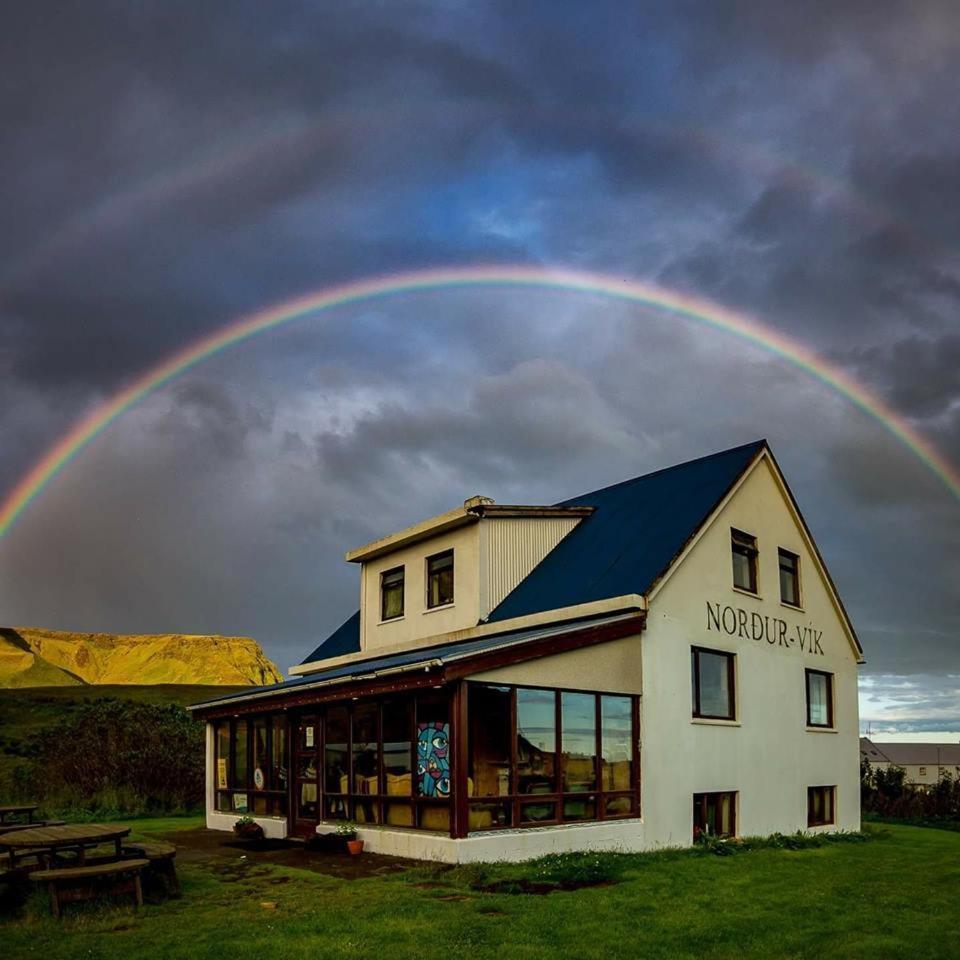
(762, 442)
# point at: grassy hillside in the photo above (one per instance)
(25, 712)
(32, 657)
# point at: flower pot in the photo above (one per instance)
(355, 847)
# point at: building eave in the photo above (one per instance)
(436, 668)
(581, 611)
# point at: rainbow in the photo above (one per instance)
(683, 305)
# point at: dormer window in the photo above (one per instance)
(440, 579)
(391, 594)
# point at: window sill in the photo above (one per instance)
(810, 729)
(715, 722)
(402, 616)
(792, 606)
(442, 606)
(747, 593)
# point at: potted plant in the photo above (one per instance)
(347, 832)
(246, 828)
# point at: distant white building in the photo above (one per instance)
(620, 671)
(923, 764)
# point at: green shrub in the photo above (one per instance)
(116, 757)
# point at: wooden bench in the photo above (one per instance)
(13, 827)
(161, 875)
(80, 883)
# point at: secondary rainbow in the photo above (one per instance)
(679, 304)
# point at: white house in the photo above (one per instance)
(619, 671)
(923, 764)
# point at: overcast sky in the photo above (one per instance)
(167, 167)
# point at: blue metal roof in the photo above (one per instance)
(345, 639)
(411, 659)
(632, 537)
(636, 530)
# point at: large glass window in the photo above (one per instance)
(714, 814)
(440, 579)
(391, 594)
(572, 756)
(250, 765)
(819, 699)
(712, 684)
(744, 553)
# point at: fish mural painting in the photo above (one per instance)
(433, 759)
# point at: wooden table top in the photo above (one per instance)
(70, 835)
(17, 808)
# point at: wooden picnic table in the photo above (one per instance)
(17, 810)
(74, 836)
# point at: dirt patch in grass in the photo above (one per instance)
(235, 859)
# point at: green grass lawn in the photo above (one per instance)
(895, 896)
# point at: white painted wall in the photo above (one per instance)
(418, 622)
(613, 667)
(768, 756)
(624, 836)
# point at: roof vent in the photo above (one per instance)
(476, 501)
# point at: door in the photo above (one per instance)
(305, 802)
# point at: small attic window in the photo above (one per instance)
(744, 552)
(440, 579)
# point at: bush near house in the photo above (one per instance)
(884, 794)
(115, 757)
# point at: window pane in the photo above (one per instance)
(741, 571)
(489, 747)
(537, 812)
(789, 578)
(616, 726)
(260, 755)
(366, 757)
(223, 756)
(744, 554)
(240, 753)
(440, 579)
(337, 808)
(391, 594)
(618, 806)
(536, 741)
(818, 699)
(399, 813)
(336, 761)
(715, 693)
(366, 811)
(397, 725)
(278, 759)
(578, 716)
(580, 808)
(489, 816)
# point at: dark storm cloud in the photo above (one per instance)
(169, 166)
